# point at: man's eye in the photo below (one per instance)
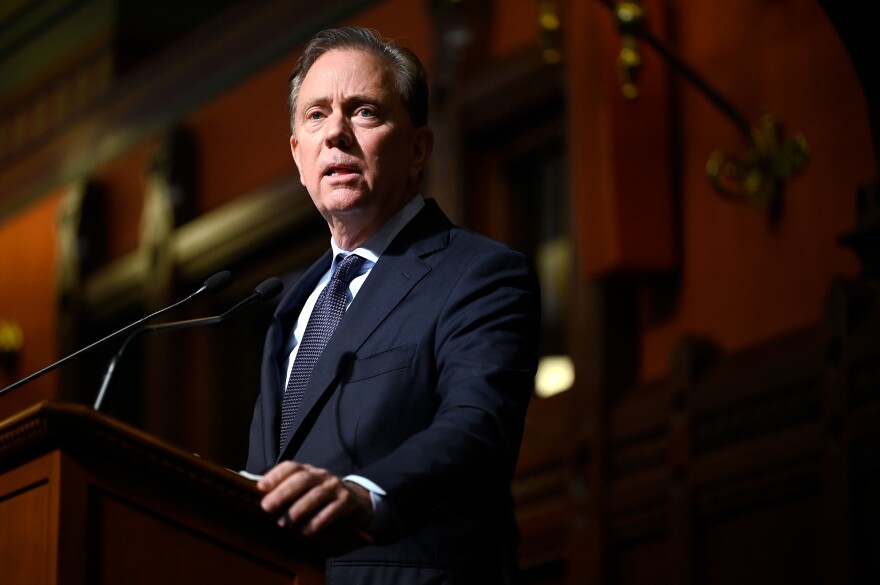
(314, 115)
(365, 113)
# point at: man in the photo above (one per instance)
(407, 424)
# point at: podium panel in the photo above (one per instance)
(85, 500)
(25, 541)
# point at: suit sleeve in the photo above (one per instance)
(486, 346)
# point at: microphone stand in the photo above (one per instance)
(214, 283)
(266, 290)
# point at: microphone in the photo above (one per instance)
(264, 291)
(213, 284)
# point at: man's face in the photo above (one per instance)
(357, 151)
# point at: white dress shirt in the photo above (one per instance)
(371, 251)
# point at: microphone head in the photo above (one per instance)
(218, 281)
(268, 288)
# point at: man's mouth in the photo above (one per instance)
(333, 171)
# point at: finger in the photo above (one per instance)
(320, 493)
(288, 490)
(350, 503)
(335, 509)
(277, 474)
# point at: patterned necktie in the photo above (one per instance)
(325, 316)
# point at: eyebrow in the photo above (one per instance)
(358, 98)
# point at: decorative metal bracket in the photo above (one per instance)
(549, 25)
(757, 177)
(11, 341)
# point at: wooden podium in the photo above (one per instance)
(85, 499)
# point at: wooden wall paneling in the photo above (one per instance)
(738, 472)
(860, 512)
(264, 233)
(623, 212)
(758, 392)
(852, 315)
(168, 179)
(554, 486)
(512, 155)
(842, 359)
(588, 542)
(216, 56)
(756, 478)
(641, 542)
(622, 181)
(742, 481)
(763, 530)
(541, 492)
(28, 297)
(81, 228)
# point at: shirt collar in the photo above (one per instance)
(376, 244)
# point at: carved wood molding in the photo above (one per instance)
(76, 427)
(743, 431)
(204, 245)
(783, 408)
(543, 516)
(215, 57)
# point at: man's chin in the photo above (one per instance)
(347, 208)
(341, 200)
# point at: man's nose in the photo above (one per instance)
(337, 132)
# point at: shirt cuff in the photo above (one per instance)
(382, 512)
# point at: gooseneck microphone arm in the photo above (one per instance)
(215, 283)
(264, 291)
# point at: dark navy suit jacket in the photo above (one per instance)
(423, 389)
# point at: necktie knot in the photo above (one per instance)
(347, 270)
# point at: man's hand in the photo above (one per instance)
(312, 498)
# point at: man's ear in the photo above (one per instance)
(294, 151)
(423, 145)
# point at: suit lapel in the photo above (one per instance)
(398, 270)
(272, 382)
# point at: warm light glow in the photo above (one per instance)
(555, 375)
(11, 337)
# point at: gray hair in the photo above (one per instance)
(410, 78)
